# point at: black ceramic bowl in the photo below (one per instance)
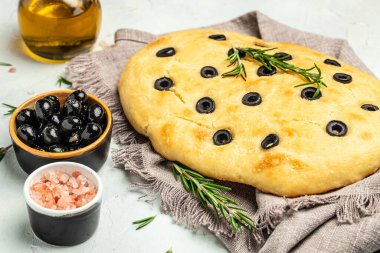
(64, 227)
(93, 155)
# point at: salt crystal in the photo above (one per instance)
(73, 182)
(61, 191)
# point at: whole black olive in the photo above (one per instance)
(44, 110)
(241, 52)
(95, 113)
(73, 138)
(264, 71)
(336, 128)
(72, 107)
(209, 72)
(90, 133)
(57, 148)
(27, 134)
(218, 37)
(332, 62)
(78, 95)
(270, 141)
(369, 107)
(71, 124)
(26, 116)
(308, 93)
(222, 137)
(56, 119)
(282, 56)
(50, 134)
(205, 105)
(54, 101)
(342, 78)
(166, 52)
(251, 99)
(163, 83)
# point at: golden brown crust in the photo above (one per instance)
(307, 159)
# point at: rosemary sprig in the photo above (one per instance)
(210, 194)
(239, 69)
(3, 151)
(11, 108)
(169, 251)
(5, 64)
(269, 61)
(143, 222)
(61, 80)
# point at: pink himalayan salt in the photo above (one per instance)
(61, 191)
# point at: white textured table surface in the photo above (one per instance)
(356, 21)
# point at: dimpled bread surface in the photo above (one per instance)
(307, 159)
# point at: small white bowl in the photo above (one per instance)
(64, 227)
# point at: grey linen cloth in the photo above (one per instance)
(345, 220)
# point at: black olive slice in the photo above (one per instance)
(369, 107)
(241, 53)
(205, 105)
(251, 99)
(263, 71)
(283, 56)
(308, 93)
(336, 128)
(218, 37)
(270, 141)
(222, 137)
(163, 83)
(209, 72)
(342, 78)
(166, 52)
(332, 62)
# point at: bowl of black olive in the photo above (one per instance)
(61, 125)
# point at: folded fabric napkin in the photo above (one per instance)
(345, 220)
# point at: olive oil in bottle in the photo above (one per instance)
(59, 29)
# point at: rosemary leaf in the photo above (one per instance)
(169, 251)
(61, 80)
(3, 151)
(11, 108)
(212, 199)
(5, 64)
(272, 60)
(143, 222)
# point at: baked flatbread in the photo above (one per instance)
(263, 131)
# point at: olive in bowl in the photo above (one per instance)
(61, 125)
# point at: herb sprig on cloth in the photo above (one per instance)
(143, 222)
(271, 60)
(210, 194)
(5, 64)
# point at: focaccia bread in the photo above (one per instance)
(262, 131)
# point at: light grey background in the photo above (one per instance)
(356, 21)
